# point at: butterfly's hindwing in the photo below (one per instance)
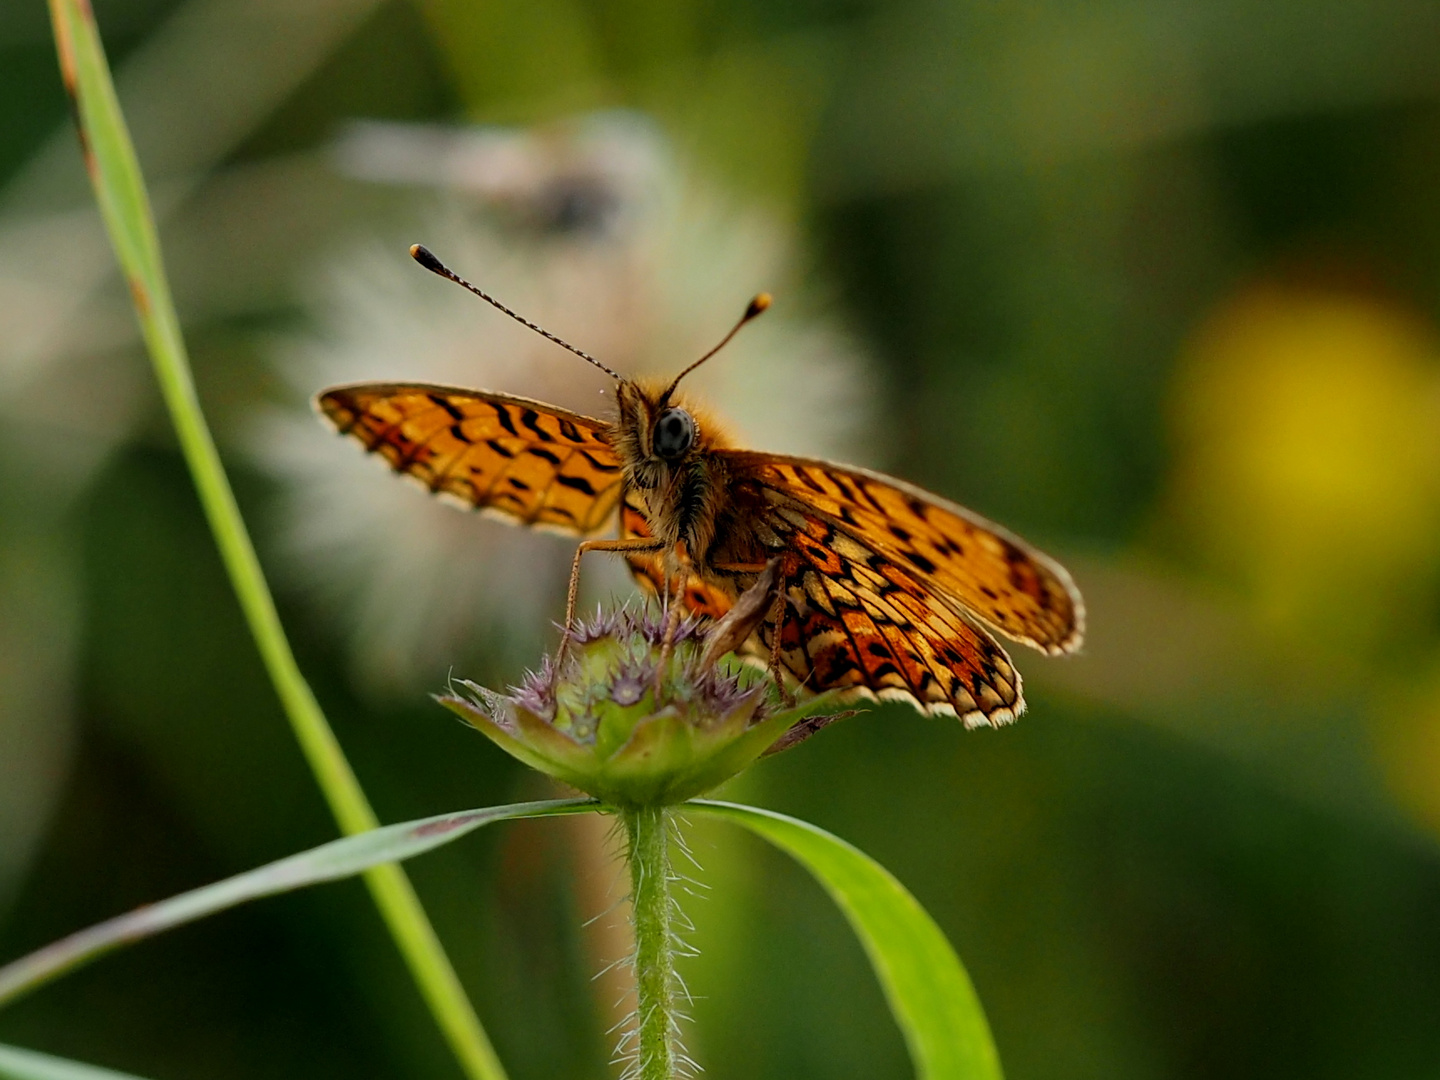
(854, 619)
(527, 461)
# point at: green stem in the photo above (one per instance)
(657, 1033)
(125, 207)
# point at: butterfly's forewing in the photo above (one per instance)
(532, 463)
(975, 564)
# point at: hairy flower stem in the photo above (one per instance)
(656, 1036)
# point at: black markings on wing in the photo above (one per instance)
(970, 563)
(530, 462)
(857, 620)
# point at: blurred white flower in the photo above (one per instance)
(595, 232)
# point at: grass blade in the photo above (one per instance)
(124, 205)
(329, 862)
(929, 993)
(18, 1064)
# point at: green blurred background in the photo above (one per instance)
(1155, 283)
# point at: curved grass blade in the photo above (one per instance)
(329, 862)
(18, 1064)
(125, 207)
(929, 993)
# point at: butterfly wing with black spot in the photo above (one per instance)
(531, 463)
(858, 620)
(854, 620)
(974, 565)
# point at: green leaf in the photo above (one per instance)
(929, 993)
(328, 862)
(125, 206)
(17, 1064)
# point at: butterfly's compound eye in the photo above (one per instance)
(674, 433)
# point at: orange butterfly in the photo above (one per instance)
(884, 589)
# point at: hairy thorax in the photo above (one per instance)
(682, 497)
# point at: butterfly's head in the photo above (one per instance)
(656, 434)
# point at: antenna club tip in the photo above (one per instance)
(423, 255)
(759, 304)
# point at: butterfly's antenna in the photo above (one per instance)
(759, 304)
(426, 258)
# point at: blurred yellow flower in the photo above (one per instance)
(1307, 425)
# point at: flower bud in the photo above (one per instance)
(634, 721)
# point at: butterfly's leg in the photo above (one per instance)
(634, 544)
(777, 617)
(672, 611)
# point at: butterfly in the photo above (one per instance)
(884, 590)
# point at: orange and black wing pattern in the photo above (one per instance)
(854, 620)
(529, 462)
(859, 620)
(977, 567)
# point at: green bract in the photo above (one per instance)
(629, 722)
